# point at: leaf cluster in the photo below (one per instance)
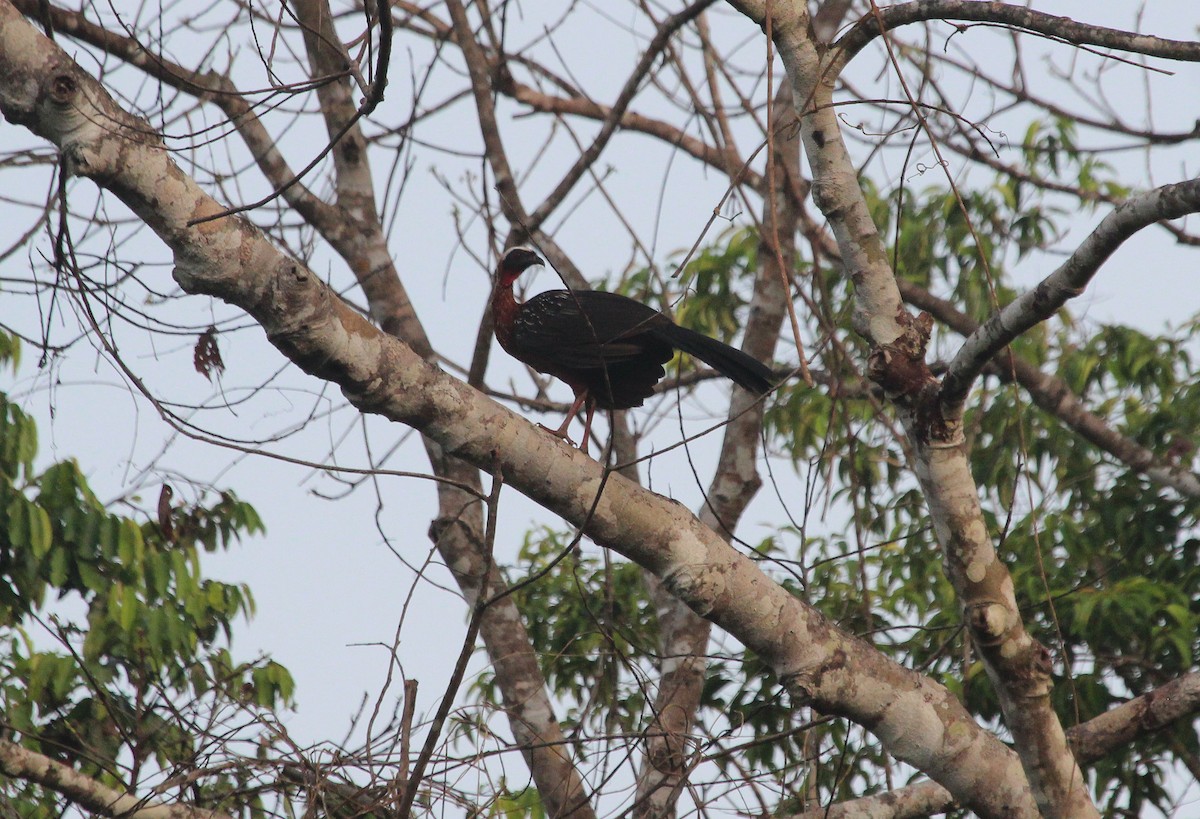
(119, 692)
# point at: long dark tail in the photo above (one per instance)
(732, 363)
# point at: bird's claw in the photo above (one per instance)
(558, 433)
(562, 434)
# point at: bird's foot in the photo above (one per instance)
(561, 432)
(558, 433)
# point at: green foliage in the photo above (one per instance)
(718, 280)
(958, 245)
(1051, 151)
(714, 299)
(716, 277)
(588, 617)
(523, 804)
(106, 696)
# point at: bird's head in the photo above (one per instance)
(514, 263)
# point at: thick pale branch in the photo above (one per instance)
(1092, 741)
(879, 314)
(1017, 665)
(915, 719)
(209, 85)
(341, 225)
(1142, 715)
(916, 801)
(21, 763)
(1065, 283)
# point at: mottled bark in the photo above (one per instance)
(1092, 741)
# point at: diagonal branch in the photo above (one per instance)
(1048, 391)
(1054, 396)
(1067, 282)
(84, 791)
(1092, 741)
(1063, 29)
(210, 85)
(590, 154)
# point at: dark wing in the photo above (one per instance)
(588, 329)
(614, 348)
(599, 343)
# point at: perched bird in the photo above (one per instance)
(608, 348)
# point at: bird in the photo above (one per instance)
(608, 348)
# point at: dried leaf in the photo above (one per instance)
(207, 356)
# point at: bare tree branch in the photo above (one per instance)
(609, 127)
(1054, 396)
(1063, 29)
(1067, 282)
(1092, 741)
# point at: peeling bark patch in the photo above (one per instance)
(981, 560)
(696, 584)
(988, 622)
(976, 531)
(63, 88)
(802, 685)
(914, 727)
(585, 494)
(977, 569)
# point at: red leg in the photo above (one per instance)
(561, 432)
(587, 426)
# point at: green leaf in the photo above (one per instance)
(90, 576)
(129, 608)
(41, 533)
(108, 535)
(130, 546)
(29, 526)
(10, 350)
(59, 567)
